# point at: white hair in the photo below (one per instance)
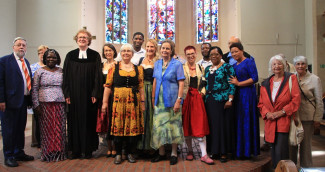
(281, 59)
(127, 46)
(300, 59)
(19, 38)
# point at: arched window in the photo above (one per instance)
(161, 19)
(116, 17)
(207, 21)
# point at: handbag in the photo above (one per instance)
(296, 132)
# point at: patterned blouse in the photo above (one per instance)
(47, 86)
(221, 89)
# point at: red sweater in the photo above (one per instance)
(285, 100)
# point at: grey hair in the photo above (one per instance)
(19, 38)
(127, 46)
(281, 59)
(300, 59)
(283, 56)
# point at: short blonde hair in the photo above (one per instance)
(42, 47)
(86, 32)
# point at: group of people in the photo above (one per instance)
(141, 100)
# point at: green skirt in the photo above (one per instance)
(167, 125)
(144, 142)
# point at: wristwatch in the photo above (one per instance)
(283, 111)
(179, 98)
(230, 100)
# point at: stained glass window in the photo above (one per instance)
(161, 19)
(116, 18)
(207, 21)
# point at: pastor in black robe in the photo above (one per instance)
(81, 81)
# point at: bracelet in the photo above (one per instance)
(142, 100)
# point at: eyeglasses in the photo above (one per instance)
(192, 54)
(82, 37)
(20, 45)
(214, 54)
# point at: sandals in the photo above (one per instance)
(111, 154)
(189, 156)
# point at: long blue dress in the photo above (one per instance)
(247, 119)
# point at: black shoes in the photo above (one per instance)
(74, 156)
(24, 158)
(173, 160)
(223, 159)
(88, 155)
(159, 158)
(11, 163)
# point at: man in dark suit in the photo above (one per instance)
(227, 56)
(15, 85)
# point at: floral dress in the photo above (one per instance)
(127, 116)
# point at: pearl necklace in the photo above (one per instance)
(214, 68)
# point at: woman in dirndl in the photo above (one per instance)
(147, 63)
(128, 103)
(195, 121)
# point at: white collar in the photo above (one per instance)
(82, 54)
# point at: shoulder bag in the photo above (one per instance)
(296, 132)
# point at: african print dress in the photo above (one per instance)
(47, 93)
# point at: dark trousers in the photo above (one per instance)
(36, 129)
(129, 141)
(13, 123)
(280, 148)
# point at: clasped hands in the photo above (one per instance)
(274, 115)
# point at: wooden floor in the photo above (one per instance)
(100, 163)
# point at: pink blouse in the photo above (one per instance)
(47, 86)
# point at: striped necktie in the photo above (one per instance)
(28, 80)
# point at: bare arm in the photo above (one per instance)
(180, 94)
(142, 99)
(153, 92)
(2, 106)
(107, 92)
(248, 82)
